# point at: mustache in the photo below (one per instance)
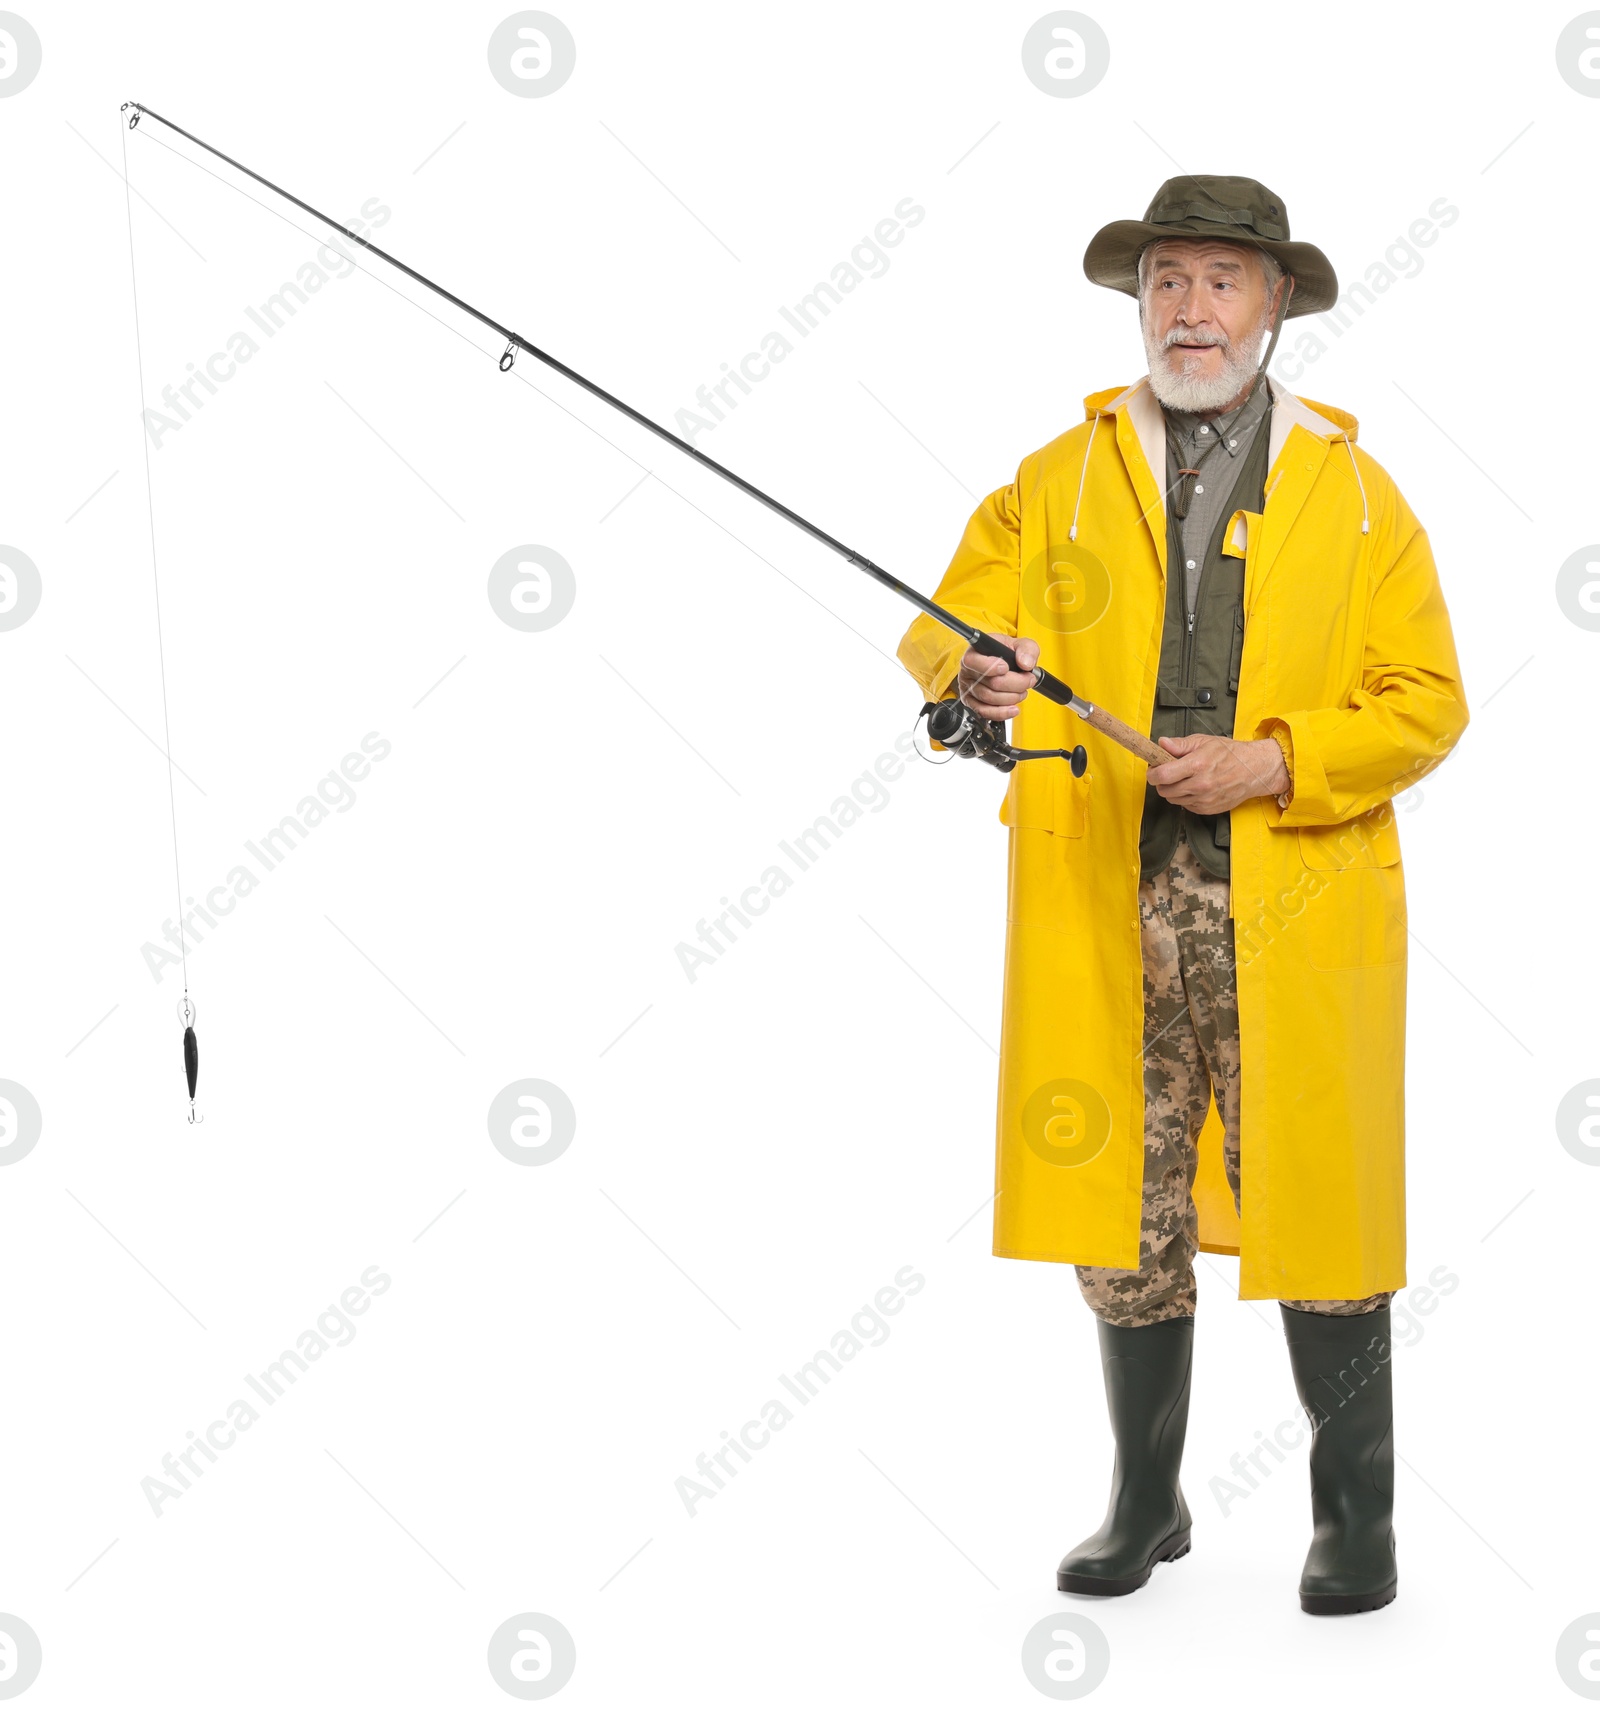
(1196, 336)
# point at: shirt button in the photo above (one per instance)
(1203, 697)
(1205, 430)
(1199, 487)
(1189, 563)
(1233, 442)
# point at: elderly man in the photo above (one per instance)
(1204, 1014)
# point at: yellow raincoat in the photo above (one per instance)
(1347, 649)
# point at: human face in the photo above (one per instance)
(1205, 310)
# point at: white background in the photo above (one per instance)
(763, 1148)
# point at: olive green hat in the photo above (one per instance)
(1232, 210)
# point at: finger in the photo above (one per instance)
(994, 708)
(1198, 793)
(1172, 772)
(1027, 653)
(1009, 686)
(976, 665)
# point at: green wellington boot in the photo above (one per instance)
(1341, 1371)
(1146, 1372)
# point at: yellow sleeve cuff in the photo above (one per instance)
(1285, 743)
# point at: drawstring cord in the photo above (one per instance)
(1072, 534)
(1357, 468)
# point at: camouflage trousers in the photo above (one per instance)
(1191, 1047)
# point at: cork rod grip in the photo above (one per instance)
(1108, 725)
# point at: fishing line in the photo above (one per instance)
(186, 1010)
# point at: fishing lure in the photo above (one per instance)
(191, 1054)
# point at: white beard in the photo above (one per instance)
(1176, 382)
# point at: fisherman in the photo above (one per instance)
(1204, 1013)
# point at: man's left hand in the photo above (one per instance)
(1212, 775)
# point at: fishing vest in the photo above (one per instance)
(1197, 684)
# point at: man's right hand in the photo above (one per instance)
(989, 687)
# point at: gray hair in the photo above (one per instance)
(1271, 268)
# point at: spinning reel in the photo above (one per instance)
(954, 725)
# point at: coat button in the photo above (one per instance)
(1204, 697)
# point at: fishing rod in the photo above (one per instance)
(950, 722)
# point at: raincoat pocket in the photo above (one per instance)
(1044, 796)
(1355, 890)
(1048, 862)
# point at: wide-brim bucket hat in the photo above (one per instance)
(1230, 210)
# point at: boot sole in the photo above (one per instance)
(1336, 1605)
(1173, 1547)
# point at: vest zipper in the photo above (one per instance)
(1188, 637)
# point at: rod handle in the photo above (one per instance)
(1046, 683)
(1108, 725)
(1051, 687)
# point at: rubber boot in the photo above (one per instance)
(1146, 1372)
(1341, 1371)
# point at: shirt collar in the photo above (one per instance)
(1232, 431)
